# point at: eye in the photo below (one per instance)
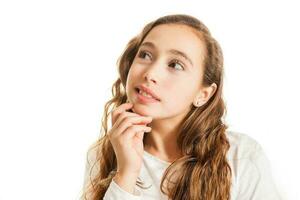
(178, 64)
(142, 54)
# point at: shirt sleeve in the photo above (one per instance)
(115, 192)
(256, 182)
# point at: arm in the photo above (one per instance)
(117, 190)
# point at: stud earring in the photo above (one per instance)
(197, 103)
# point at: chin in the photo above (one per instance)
(139, 109)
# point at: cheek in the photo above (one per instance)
(176, 102)
(134, 72)
(179, 95)
(134, 76)
(174, 93)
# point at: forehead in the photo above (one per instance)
(178, 37)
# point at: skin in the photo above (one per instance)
(178, 85)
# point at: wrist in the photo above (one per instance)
(126, 181)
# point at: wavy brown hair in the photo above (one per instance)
(203, 171)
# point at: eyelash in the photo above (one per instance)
(175, 60)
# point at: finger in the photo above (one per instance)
(126, 120)
(131, 121)
(115, 127)
(135, 130)
(123, 116)
(122, 108)
(140, 135)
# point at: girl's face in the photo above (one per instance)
(170, 63)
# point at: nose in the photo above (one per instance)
(152, 73)
(149, 77)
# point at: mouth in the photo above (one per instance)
(145, 94)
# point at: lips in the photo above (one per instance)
(148, 91)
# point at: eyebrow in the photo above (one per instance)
(173, 51)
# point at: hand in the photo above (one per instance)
(126, 137)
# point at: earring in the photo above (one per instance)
(198, 103)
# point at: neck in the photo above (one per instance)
(162, 141)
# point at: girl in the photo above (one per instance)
(168, 139)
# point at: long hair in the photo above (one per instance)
(203, 171)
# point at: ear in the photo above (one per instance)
(204, 95)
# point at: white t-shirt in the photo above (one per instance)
(251, 174)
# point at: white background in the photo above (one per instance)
(58, 62)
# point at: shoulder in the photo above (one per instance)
(242, 146)
(251, 169)
(243, 150)
(244, 155)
